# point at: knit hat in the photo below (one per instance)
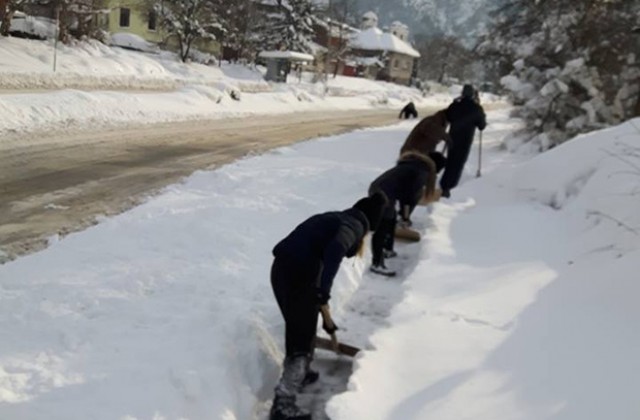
(468, 91)
(372, 207)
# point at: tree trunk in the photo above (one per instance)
(63, 27)
(181, 44)
(5, 17)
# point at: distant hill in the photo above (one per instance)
(463, 18)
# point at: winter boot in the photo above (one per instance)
(389, 253)
(445, 193)
(311, 377)
(285, 408)
(382, 270)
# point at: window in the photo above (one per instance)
(395, 63)
(124, 17)
(151, 23)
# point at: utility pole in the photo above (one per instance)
(636, 30)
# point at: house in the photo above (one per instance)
(383, 55)
(332, 38)
(129, 16)
(131, 23)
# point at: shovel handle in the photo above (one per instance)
(326, 316)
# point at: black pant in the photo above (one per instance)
(456, 159)
(294, 286)
(383, 236)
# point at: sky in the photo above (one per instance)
(518, 303)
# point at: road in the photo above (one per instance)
(57, 183)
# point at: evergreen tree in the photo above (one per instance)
(239, 19)
(288, 24)
(571, 63)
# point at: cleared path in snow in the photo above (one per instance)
(57, 183)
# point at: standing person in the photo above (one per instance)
(465, 115)
(413, 177)
(427, 134)
(305, 264)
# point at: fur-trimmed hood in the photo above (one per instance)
(415, 156)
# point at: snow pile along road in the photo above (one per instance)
(524, 302)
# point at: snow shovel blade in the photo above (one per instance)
(346, 349)
(407, 234)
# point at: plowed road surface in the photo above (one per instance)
(56, 183)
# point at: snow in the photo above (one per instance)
(374, 39)
(101, 86)
(291, 55)
(129, 40)
(522, 305)
(519, 303)
(34, 25)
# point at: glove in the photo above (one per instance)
(322, 298)
(330, 329)
(327, 322)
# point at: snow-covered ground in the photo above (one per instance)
(520, 302)
(96, 86)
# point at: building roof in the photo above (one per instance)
(373, 39)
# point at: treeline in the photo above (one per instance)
(246, 26)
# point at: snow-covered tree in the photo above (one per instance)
(7, 10)
(446, 57)
(76, 15)
(239, 18)
(188, 21)
(573, 63)
(287, 24)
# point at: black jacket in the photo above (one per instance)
(324, 240)
(406, 182)
(464, 115)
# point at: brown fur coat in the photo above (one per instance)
(426, 135)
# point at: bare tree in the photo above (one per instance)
(444, 57)
(337, 16)
(7, 9)
(188, 21)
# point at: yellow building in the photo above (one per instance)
(130, 16)
(134, 17)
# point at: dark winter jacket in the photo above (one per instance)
(407, 182)
(426, 135)
(464, 114)
(324, 240)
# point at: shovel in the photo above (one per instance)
(333, 344)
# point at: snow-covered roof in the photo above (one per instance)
(374, 39)
(368, 61)
(35, 25)
(289, 55)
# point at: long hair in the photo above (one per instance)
(362, 247)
